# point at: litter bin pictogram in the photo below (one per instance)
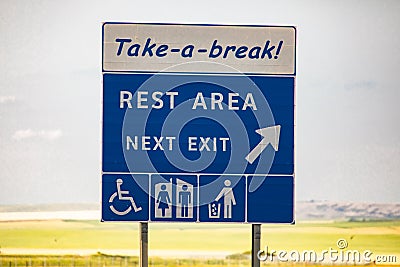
(214, 210)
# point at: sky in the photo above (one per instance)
(347, 112)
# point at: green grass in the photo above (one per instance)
(101, 260)
(379, 237)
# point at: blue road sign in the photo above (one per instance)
(203, 141)
(189, 134)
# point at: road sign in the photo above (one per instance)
(198, 123)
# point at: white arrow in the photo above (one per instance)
(271, 136)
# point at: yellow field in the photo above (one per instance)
(177, 240)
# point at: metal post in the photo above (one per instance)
(255, 244)
(144, 244)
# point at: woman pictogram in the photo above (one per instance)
(163, 200)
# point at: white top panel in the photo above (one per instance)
(168, 47)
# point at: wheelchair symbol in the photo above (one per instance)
(123, 195)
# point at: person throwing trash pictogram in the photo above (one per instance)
(229, 198)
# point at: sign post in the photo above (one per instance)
(144, 244)
(255, 244)
(198, 123)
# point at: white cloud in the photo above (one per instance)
(29, 133)
(7, 98)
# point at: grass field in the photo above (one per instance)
(381, 238)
